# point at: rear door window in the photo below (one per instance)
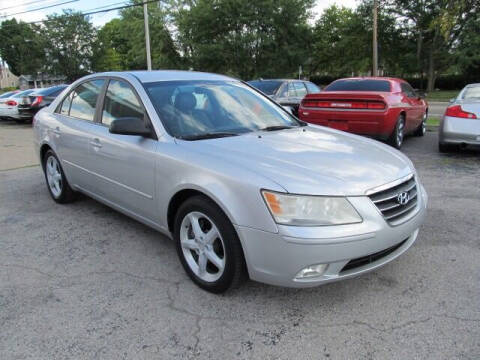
(84, 99)
(300, 89)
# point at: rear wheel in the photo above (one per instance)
(57, 183)
(208, 246)
(421, 130)
(396, 138)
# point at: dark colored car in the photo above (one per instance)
(36, 101)
(288, 93)
(380, 107)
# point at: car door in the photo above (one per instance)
(76, 115)
(414, 109)
(123, 165)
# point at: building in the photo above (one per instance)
(39, 80)
(7, 79)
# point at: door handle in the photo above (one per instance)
(57, 131)
(96, 143)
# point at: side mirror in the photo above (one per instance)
(129, 126)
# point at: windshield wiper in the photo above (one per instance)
(276, 127)
(212, 135)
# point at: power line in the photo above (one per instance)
(24, 4)
(89, 13)
(41, 8)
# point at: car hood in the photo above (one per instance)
(311, 159)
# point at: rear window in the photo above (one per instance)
(359, 85)
(472, 92)
(268, 87)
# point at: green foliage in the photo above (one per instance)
(434, 40)
(69, 39)
(267, 38)
(22, 47)
(121, 42)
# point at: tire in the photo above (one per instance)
(57, 183)
(398, 134)
(214, 235)
(445, 147)
(422, 129)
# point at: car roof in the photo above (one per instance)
(49, 90)
(168, 75)
(279, 80)
(373, 78)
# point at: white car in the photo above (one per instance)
(9, 105)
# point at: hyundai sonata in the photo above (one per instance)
(244, 188)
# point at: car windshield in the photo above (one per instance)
(198, 109)
(268, 87)
(359, 85)
(471, 93)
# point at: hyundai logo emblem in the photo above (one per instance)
(403, 198)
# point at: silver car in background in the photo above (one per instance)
(460, 125)
(243, 188)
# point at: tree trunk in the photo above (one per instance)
(431, 71)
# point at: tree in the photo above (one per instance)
(22, 47)
(121, 42)
(247, 39)
(437, 25)
(69, 37)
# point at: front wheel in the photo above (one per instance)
(396, 138)
(208, 246)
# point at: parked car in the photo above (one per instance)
(243, 187)
(37, 100)
(6, 95)
(380, 107)
(287, 93)
(460, 125)
(9, 105)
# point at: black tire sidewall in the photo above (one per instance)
(394, 138)
(234, 263)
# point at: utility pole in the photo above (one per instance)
(375, 44)
(147, 36)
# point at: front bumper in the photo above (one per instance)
(276, 258)
(460, 131)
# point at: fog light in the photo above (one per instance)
(311, 271)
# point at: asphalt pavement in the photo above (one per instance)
(82, 281)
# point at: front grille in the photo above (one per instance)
(365, 260)
(389, 204)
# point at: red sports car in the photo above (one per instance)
(381, 107)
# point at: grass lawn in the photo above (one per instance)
(442, 95)
(433, 120)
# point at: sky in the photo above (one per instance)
(102, 18)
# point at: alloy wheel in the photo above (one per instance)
(202, 246)
(400, 128)
(54, 176)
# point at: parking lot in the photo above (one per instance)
(82, 281)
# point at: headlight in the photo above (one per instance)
(300, 210)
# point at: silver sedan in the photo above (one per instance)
(245, 189)
(460, 125)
